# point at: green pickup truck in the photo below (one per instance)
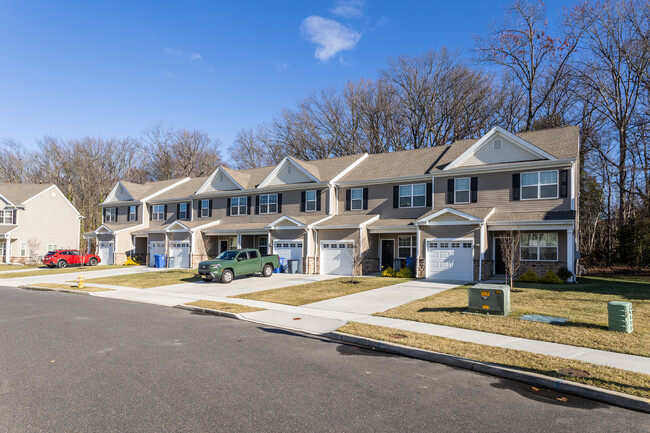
(233, 263)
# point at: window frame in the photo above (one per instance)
(160, 215)
(55, 247)
(263, 244)
(133, 216)
(539, 185)
(23, 249)
(268, 204)
(538, 247)
(204, 208)
(412, 196)
(110, 215)
(353, 200)
(412, 247)
(3, 216)
(315, 201)
(181, 210)
(239, 206)
(468, 190)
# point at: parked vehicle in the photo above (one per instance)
(63, 258)
(233, 263)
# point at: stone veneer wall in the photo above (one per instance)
(309, 265)
(486, 269)
(197, 258)
(420, 271)
(120, 258)
(369, 266)
(539, 267)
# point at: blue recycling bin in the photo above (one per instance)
(280, 268)
(160, 260)
(410, 262)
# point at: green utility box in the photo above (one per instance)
(489, 299)
(620, 316)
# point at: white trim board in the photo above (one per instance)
(287, 160)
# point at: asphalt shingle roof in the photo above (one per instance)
(532, 216)
(20, 192)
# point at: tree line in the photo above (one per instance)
(593, 70)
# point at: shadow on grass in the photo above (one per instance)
(638, 291)
(442, 310)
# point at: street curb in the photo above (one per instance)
(209, 311)
(52, 289)
(560, 385)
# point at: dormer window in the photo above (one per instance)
(497, 144)
(288, 169)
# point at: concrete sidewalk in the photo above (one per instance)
(327, 316)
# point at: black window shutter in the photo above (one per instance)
(474, 189)
(279, 203)
(429, 194)
(564, 183)
(257, 204)
(189, 211)
(136, 212)
(348, 198)
(515, 186)
(450, 191)
(165, 216)
(103, 214)
(249, 203)
(318, 194)
(150, 213)
(302, 201)
(365, 198)
(13, 217)
(228, 207)
(178, 211)
(396, 196)
(210, 208)
(116, 213)
(198, 213)
(128, 213)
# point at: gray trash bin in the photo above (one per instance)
(172, 261)
(397, 264)
(293, 266)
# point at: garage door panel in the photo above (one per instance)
(181, 253)
(336, 258)
(155, 248)
(289, 250)
(450, 260)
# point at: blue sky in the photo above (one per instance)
(115, 68)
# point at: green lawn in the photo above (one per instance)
(146, 280)
(321, 290)
(5, 267)
(584, 304)
(599, 375)
(72, 269)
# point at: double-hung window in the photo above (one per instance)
(461, 190)
(23, 249)
(356, 199)
(406, 246)
(6, 217)
(158, 212)
(413, 195)
(205, 208)
(132, 213)
(539, 246)
(182, 211)
(310, 200)
(110, 215)
(539, 184)
(268, 203)
(238, 205)
(52, 247)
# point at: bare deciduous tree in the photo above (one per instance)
(510, 252)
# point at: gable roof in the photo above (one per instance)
(182, 191)
(560, 143)
(140, 191)
(17, 193)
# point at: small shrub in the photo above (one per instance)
(404, 273)
(388, 272)
(551, 278)
(564, 273)
(529, 276)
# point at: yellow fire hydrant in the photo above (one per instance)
(80, 281)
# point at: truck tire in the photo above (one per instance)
(267, 271)
(227, 276)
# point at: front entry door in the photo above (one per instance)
(387, 255)
(223, 246)
(499, 265)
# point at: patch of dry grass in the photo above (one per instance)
(584, 304)
(146, 280)
(7, 267)
(600, 376)
(30, 272)
(320, 290)
(71, 287)
(224, 306)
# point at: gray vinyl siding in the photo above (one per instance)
(380, 201)
(495, 190)
(338, 235)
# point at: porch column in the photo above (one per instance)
(269, 244)
(166, 250)
(238, 241)
(88, 242)
(7, 249)
(570, 252)
(417, 251)
(482, 247)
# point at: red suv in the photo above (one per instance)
(63, 258)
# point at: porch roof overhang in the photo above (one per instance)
(6, 229)
(235, 229)
(346, 222)
(531, 225)
(393, 225)
(469, 216)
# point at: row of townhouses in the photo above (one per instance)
(35, 219)
(446, 206)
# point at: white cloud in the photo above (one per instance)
(195, 56)
(281, 66)
(173, 51)
(349, 8)
(330, 36)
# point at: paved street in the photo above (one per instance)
(82, 363)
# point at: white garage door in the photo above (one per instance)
(155, 248)
(181, 253)
(105, 253)
(450, 260)
(336, 258)
(289, 250)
